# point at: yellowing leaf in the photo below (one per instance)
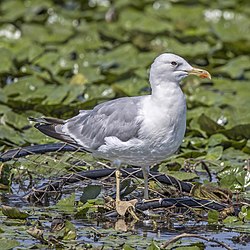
(78, 79)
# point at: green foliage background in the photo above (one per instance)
(57, 57)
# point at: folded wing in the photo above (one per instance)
(118, 118)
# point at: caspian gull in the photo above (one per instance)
(138, 131)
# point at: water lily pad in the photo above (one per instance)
(231, 27)
(182, 176)
(32, 52)
(51, 34)
(62, 230)
(25, 89)
(208, 125)
(12, 10)
(129, 87)
(123, 59)
(15, 120)
(236, 67)
(8, 244)
(56, 94)
(213, 216)
(230, 220)
(6, 61)
(4, 109)
(87, 39)
(234, 178)
(69, 231)
(90, 192)
(216, 140)
(231, 153)
(48, 60)
(153, 246)
(37, 11)
(67, 204)
(9, 134)
(32, 135)
(91, 74)
(14, 213)
(5, 176)
(244, 213)
(133, 20)
(113, 31)
(128, 247)
(162, 43)
(225, 102)
(215, 153)
(238, 132)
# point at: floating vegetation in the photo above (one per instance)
(58, 57)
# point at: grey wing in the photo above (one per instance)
(117, 118)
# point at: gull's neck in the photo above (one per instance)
(164, 115)
(164, 88)
(166, 93)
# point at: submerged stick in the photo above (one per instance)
(65, 180)
(183, 202)
(38, 149)
(187, 235)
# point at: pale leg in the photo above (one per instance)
(118, 180)
(117, 164)
(145, 172)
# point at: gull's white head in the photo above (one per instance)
(172, 68)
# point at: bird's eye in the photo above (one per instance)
(173, 63)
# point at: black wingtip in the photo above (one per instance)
(50, 130)
(52, 127)
(47, 129)
(37, 125)
(32, 119)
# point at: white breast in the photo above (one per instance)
(164, 124)
(160, 135)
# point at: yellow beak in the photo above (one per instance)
(200, 72)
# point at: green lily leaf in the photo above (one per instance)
(214, 154)
(8, 244)
(12, 10)
(133, 20)
(127, 247)
(69, 231)
(15, 120)
(234, 178)
(67, 204)
(238, 132)
(6, 61)
(208, 125)
(153, 246)
(230, 220)
(235, 67)
(90, 192)
(231, 29)
(9, 134)
(213, 216)
(14, 213)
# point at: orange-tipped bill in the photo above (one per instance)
(200, 72)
